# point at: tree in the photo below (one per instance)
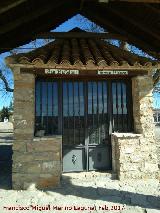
(87, 25)
(10, 106)
(4, 113)
(5, 82)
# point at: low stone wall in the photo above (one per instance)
(6, 127)
(157, 137)
(133, 157)
(37, 163)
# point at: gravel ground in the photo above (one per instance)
(157, 132)
(92, 192)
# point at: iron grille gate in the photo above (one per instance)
(85, 113)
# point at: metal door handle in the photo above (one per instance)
(74, 158)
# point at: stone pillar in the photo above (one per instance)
(134, 154)
(142, 87)
(131, 158)
(36, 161)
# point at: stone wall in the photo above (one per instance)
(134, 155)
(157, 135)
(36, 161)
(131, 157)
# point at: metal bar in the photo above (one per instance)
(52, 95)
(125, 98)
(92, 108)
(68, 133)
(63, 125)
(110, 115)
(127, 103)
(59, 105)
(110, 108)
(98, 131)
(117, 116)
(129, 89)
(73, 114)
(102, 114)
(47, 107)
(122, 105)
(131, 106)
(35, 110)
(79, 114)
(41, 103)
(85, 86)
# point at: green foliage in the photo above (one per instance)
(4, 113)
(10, 106)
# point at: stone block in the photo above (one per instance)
(151, 167)
(43, 156)
(43, 146)
(19, 146)
(53, 167)
(128, 150)
(22, 157)
(49, 182)
(129, 167)
(136, 158)
(34, 168)
(27, 167)
(23, 136)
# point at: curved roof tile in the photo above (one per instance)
(78, 52)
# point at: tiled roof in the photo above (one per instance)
(81, 53)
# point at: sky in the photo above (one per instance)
(76, 21)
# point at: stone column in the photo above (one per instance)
(23, 123)
(36, 161)
(134, 154)
(142, 87)
(24, 106)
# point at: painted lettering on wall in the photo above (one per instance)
(61, 72)
(112, 72)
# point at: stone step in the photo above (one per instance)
(88, 176)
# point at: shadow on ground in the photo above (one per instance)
(108, 195)
(87, 192)
(5, 166)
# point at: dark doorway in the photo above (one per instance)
(85, 112)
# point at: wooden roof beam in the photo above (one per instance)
(29, 30)
(107, 24)
(52, 35)
(133, 22)
(136, 1)
(7, 7)
(154, 9)
(126, 1)
(29, 17)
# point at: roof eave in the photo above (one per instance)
(148, 68)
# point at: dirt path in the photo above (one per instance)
(94, 192)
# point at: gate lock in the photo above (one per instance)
(74, 158)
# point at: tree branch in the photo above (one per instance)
(3, 78)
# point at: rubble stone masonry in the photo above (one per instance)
(134, 154)
(36, 161)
